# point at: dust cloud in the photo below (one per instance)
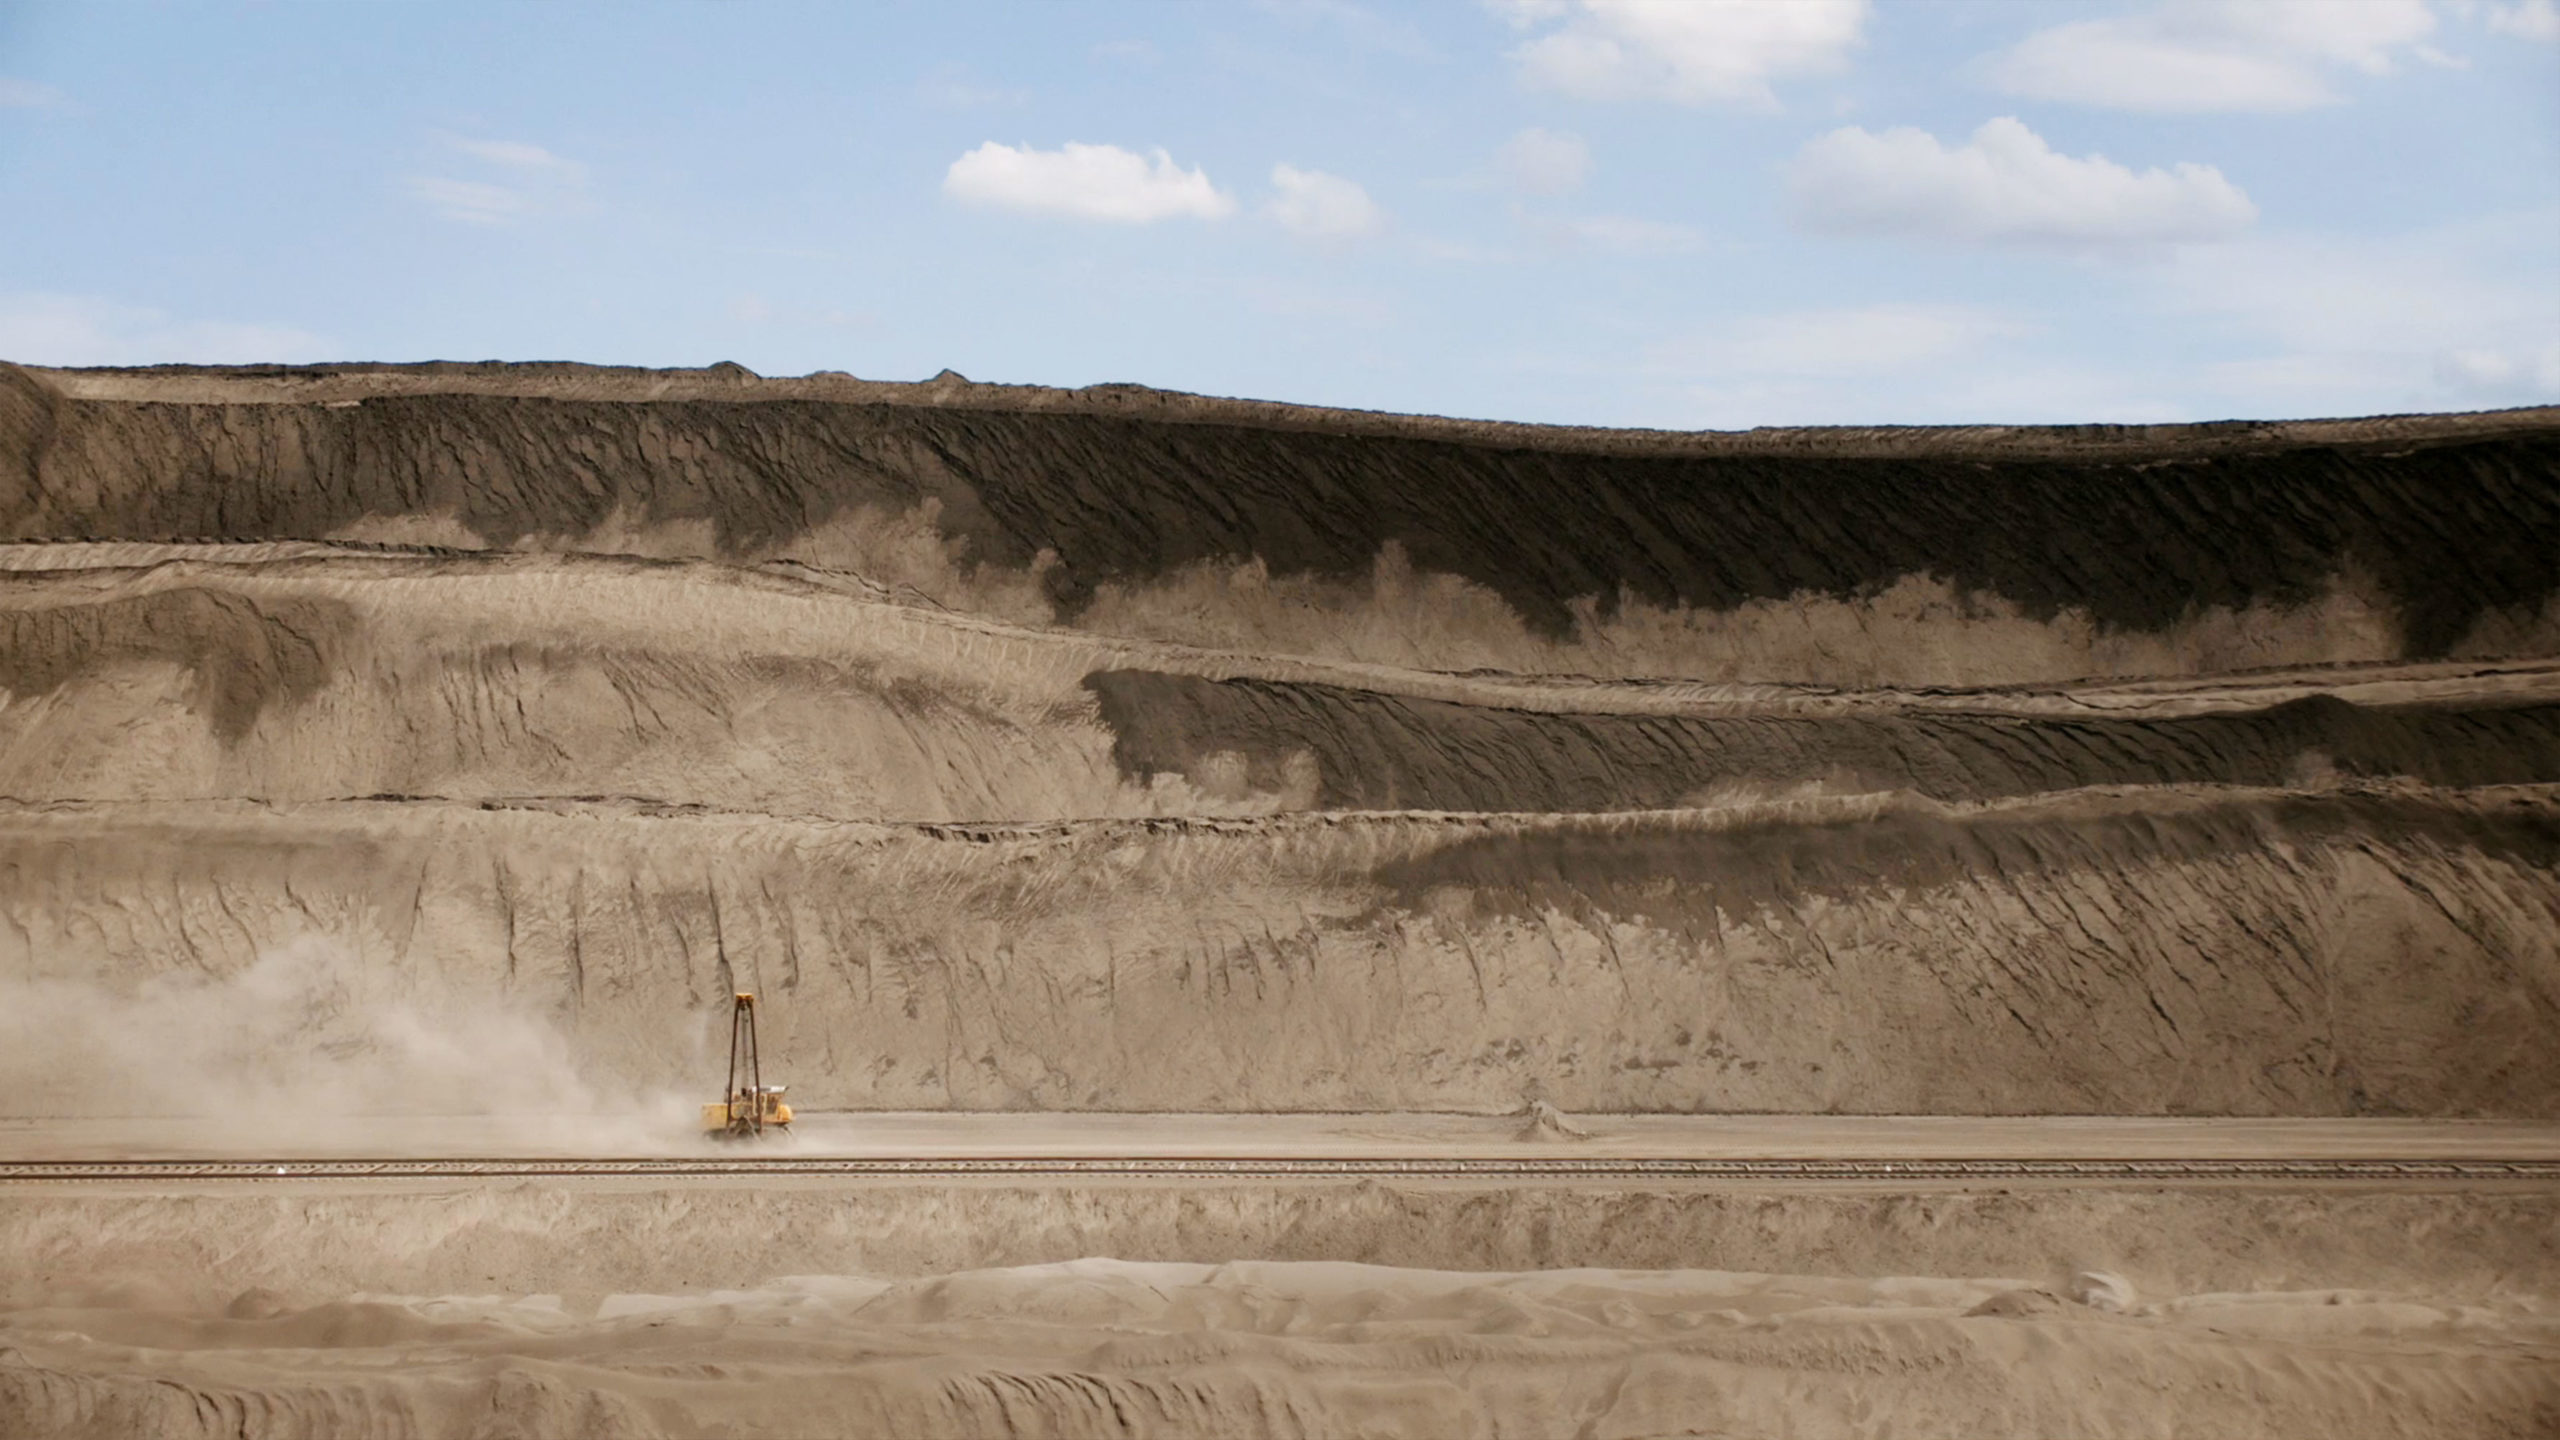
(300, 1049)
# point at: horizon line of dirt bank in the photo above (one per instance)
(354, 381)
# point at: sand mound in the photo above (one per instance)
(2097, 532)
(978, 858)
(461, 738)
(332, 674)
(1103, 1347)
(1366, 750)
(1541, 1121)
(2217, 951)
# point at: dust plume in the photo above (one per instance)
(297, 1049)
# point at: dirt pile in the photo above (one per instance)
(265, 674)
(1299, 1349)
(2201, 951)
(2437, 533)
(929, 1310)
(443, 746)
(1371, 751)
(599, 693)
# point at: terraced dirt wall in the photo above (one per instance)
(2213, 951)
(1120, 751)
(1632, 555)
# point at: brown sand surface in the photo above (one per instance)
(932, 1309)
(2217, 950)
(415, 759)
(936, 1134)
(1298, 1348)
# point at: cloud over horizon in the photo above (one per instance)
(46, 328)
(1317, 206)
(1687, 52)
(2004, 185)
(1085, 182)
(2203, 56)
(1543, 162)
(2533, 20)
(516, 181)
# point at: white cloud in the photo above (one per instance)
(2005, 185)
(1089, 182)
(1690, 52)
(1542, 162)
(1323, 207)
(518, 156)
(518, 181)
(2527, 20)
(2195, 56)
(27, 95)
(39, 328)
(475, 202)
(1619, 235)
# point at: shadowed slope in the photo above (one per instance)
(331, 675)
(1366, 750)
(2133, 532)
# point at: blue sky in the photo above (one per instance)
(1657, 212)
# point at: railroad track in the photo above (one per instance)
(1059, 1167)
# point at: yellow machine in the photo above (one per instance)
(750, 1104)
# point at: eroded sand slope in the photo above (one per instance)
(2196, 951)
(457, 739)
(1858, 557)
(1068, 750)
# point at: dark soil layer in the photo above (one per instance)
(1376, 751)
(240, 656)
(2448, 528)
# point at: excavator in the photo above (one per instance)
(750, 1105)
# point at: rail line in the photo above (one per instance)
(1195, 1167)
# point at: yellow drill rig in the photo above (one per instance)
(750, 1104)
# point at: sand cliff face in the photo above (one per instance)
(2247, 952)
(1212, 522)
(1121, 751)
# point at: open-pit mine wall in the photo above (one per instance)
(1849, 557)
(1110, 750)
(2186, 951)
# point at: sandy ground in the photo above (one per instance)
(1102, 1347)
(931, 1134)
(787, 1307)
(736, 1307)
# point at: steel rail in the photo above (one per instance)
(1206, 1167)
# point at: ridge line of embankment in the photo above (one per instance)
(2464, 1170)
(353, 383)
(1816, 810)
